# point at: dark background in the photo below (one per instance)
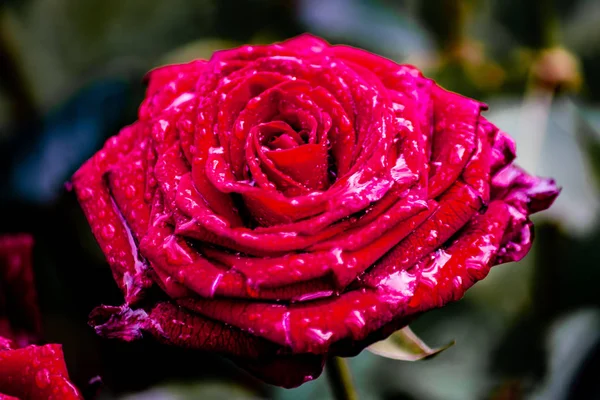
(70, 77)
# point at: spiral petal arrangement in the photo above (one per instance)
(299, 200)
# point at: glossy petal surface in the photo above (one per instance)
(37, 373)
(300, 200)
(27, 371)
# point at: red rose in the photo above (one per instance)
(20, 317)
(26, 371)
(300, 200)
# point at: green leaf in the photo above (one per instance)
(587, 130)
(560, 153)
(405, 345)
(199, 49)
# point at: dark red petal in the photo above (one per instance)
(447, 273)
(127, 185)
(456, 120)
(286, 371)
(363, 233)
(180, 268)
(37, 373)
(6, 344)
(20, 319)
(524, 194)
(345, 266)
(306, 164)
(503, 150)
(301, 198)
(166, 84)
(476, 173)
(457, 205)
(306, 44)
(172, 324)
(264, 172)
(313, 327)
(108, 225)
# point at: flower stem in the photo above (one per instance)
(340, 379)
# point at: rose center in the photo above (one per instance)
(279, 135)
(289, 154)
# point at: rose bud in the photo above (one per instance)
(27, 371)
(297, 201)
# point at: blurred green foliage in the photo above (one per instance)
(71, 76)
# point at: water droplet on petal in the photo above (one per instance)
(130, 192)
(86, 194)
(108, 231)
(181, 276)
(42, 378)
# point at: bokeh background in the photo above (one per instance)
(71, 77)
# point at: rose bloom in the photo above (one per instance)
(26, 371)
(299, 200)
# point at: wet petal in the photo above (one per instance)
(36, 372)
(299, 200)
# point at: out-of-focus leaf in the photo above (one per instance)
(491, 292)
(202, 390)
(458, 375)
(62, 40)
(557, 154)
(569, 341)
(199, 49)
(5, 116)
(69, 135)
(581, 31)
(507, 390)
(405, 345)
(524, 19)
(367, 24)
(588, 133)
(317, 389)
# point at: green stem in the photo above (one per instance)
(340, 379)
(549, 23)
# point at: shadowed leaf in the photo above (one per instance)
(405, 345)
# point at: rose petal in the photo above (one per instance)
(299, 200)
(36, 372)
(20, 319)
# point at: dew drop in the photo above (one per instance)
(181, 276)
(108, 231)
(86, 194)
(130, 192)
(42, 378)
(112, 142)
